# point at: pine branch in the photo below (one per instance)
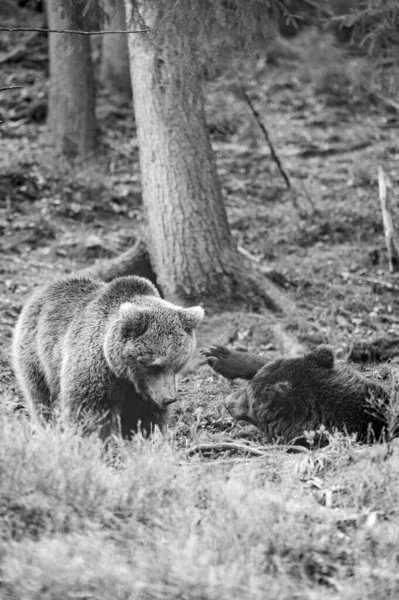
(73, 30)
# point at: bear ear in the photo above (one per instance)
(134, 318)
(323, 356)
(191, 317)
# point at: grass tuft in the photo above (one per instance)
(141, 520)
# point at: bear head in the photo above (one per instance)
(148, 344)
(282, 398)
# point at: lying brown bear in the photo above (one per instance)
(291, 395)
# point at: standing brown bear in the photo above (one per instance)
(290, 395)
(109, 351)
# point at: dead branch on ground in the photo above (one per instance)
(378, 282)
(248, 254)
(257, 451)
(387, 101)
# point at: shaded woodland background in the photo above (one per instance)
(224, 523)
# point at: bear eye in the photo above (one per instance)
(155, 366)
(134, 330)
(188, 328)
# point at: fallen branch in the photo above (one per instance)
(313, 150)
(11, 87)
(258, 451)
(222, 447)
(248, 254)
(74, 31)
(387, 101)
(267, 137)
(384, 284)
(392, 247)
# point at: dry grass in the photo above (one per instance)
(77, 522)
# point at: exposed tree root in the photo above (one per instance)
(134, 261)
(252, 289)
(243, 285)
(240, 284)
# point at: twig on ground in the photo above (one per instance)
(248, 254)
(74, 31)
(384, 284)
(222, 447)
(312, 150)
(258, 451)
(267, 137)
(387, 101)
(392, 246)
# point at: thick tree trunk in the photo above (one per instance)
(71, 116)
(190, 245)
(115, 69)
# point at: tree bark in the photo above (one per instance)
(115, 69)
(71, 118)
(189, 241)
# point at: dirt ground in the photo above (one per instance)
(323, 239)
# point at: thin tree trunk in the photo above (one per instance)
(71, 117)
(115, 69)
(190, 245)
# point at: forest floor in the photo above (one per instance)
(171, 522)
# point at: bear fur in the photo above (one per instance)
(291, 395)
(109, 351)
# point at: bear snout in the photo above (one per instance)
(163, 389)
(239, 407)
(229, 402)
(167, 401)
